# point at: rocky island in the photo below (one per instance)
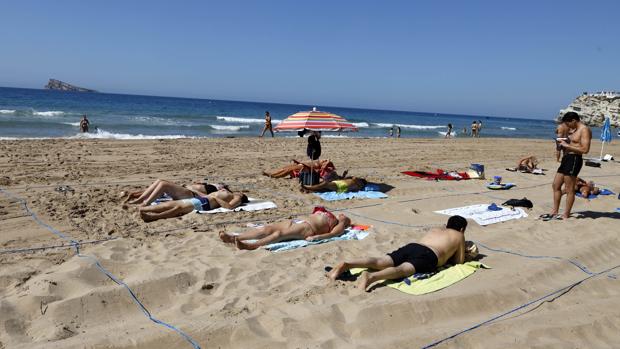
(54, 84)
(594, 107)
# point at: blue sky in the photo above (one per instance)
(516, 59)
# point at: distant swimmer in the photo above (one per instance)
(84, 123)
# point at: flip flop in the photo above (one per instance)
(549, 217)
(511, 169)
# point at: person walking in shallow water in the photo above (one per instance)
(84, 123)
(397, 131)
(449, 132)
(268, 125)
(474, 129)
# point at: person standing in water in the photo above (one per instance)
(474, 129)
(267, 125)
(449, 132)
(84, 123)
(397, 131)
(478, 128)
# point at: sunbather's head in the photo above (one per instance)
(457, 223)
(360, 182)
(585, 191)
(244, 199)
(471, 250)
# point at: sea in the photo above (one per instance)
(34, 113)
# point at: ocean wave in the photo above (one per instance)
(154, 120)
(509, 128)
(443, 133)
(417, 127)
(245, 120)
(361, 124)
(7, 111)
(48, 113)
(229, 127)
(102, 134)
(76, 124)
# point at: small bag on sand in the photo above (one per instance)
(519, 203)
(309, 178)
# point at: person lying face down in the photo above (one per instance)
(175, 191)
(169, 209)
(293, 170)
(339, 186)
(321, 224)
(435, 249)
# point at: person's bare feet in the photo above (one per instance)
(229, 239)
(266, 174)
(146, 217)
(364, 280)
(339, 269)
(244, 245)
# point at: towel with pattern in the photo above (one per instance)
(333, 196)
(483, 216)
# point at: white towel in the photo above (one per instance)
(483, 216)
(253, 205)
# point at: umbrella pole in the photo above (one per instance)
(602, 146)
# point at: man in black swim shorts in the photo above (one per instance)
(435, 249)
(573, 148)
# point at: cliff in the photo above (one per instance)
(594, 107)
(54, 84)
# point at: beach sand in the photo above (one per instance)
(225, 298)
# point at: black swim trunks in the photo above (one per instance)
(422, 258)
(571, 165)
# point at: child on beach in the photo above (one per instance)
(321, 224)
(435, 249)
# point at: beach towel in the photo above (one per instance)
(356, 232)
(483, 216)
(333, 196)
(502, 186)
(253, 205)
(594, 196)
(439, 175)
(423, 283)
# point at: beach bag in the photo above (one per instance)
(593, 163)
(309, 178)
(519, 203)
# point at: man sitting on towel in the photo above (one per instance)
(169, 209)
(435, 249)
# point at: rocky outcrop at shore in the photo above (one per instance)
(594, 107)
(54, 84)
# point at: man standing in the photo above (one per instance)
(577, 144)
(397, 131)
(267, 124)
(474, 127)
(478, 128)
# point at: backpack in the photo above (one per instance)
(519, 203)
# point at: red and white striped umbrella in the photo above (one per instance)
(315, 121)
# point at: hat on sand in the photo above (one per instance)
(471, 250)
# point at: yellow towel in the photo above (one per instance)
(442, 279)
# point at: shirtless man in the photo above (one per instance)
(560, 132)
(175, 191)
(525, 164)
(578, 143)
(339, 185)
(321, 224)
(84, 123)
(435, 249)
(221, 198)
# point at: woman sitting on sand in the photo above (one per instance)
(175, 191)
(325, 168)
(321, 224)
(339, 186)
(169, 209)
(527, 164)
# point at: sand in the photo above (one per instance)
(225, 298)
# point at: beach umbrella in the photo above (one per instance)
(605, 134)
(315, 120)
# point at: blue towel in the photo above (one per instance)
(593, 196)
(333, 196)
(349, 234)
(372, 187)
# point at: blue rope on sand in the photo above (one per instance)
(76, 245)
(519, 307)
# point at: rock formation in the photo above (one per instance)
(54, 84)
(594, 107)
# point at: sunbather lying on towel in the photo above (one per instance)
(339, 186)
(585, 188)
(321, 224)
(168, 209)
(175, 191)
(325, 168)
(527, 164)
(434, 250)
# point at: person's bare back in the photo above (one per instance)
(448, 244)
